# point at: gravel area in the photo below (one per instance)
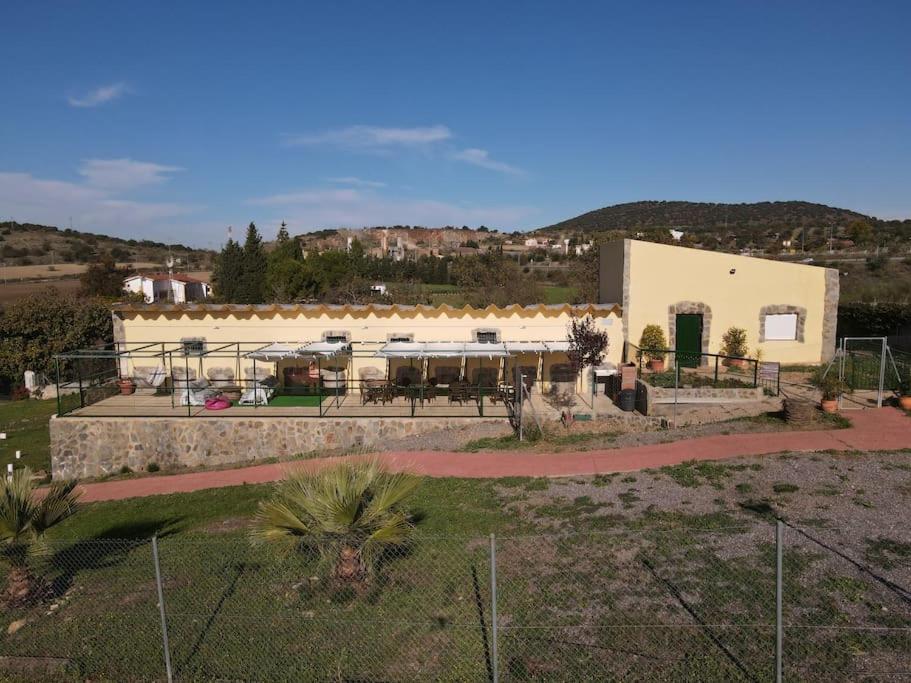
(859, 495)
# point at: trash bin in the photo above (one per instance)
(627, 400)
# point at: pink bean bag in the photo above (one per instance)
(217, 403)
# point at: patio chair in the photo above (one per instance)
(220, 377)
(149, 377)
(334, 379)
(372, 381)
(406, 379)
(195, 393)
(260, 387)
(459, 392)
(483, 381)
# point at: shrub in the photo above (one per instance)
(830, 385)
(19, 393)
(653, 338)
(734, 343)
(349, 515)
(152, 467)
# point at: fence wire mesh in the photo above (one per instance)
(679, 604)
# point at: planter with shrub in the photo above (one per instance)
(831, 388)
(734, 345)
(127, 386)
(652, 344)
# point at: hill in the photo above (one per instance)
(707, 216)
(24, 244)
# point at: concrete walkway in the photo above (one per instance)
(883, 429)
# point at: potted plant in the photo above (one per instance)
(734, 345)
(904, 392)
(127, 385)
(831, 388)
(653, 343)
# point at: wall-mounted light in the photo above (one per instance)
(732, 271)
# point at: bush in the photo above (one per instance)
(653, 338)
(152, 467)
(830, 385)
(734, 343)
(19, 393)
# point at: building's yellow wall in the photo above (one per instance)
(369, 331)
(662, 275)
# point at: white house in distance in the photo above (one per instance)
(161, 287)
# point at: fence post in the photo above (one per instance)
(161, 610)
(779, 626)
(495, 665)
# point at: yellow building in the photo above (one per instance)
(788, 310)
(377, 339)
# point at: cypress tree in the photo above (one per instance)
(252, 288)
(226, 274)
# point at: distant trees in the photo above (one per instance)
(860, 232)
(35, 328)
(492, 278)
(103, 279)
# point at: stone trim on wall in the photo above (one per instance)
(691, 307)
(626, 290)
(830, 315)
(778, 309)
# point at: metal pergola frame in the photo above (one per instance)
(174, 354)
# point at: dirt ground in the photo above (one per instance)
(604, 433)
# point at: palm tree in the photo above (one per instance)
(349, 514)
(24, 519)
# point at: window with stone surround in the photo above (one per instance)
(782, 322)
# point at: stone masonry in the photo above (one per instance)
(95, 446)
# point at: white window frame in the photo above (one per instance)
(780, 329)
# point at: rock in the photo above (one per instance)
(15, 626)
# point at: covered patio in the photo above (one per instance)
(323, 378)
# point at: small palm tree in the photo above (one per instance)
(25, 516)
(349, 514)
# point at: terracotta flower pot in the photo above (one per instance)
(829, 406)
(127, 386)
(656, 364)
(905, 402)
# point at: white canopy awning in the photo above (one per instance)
(323, 348)
(444, 350)
(401, 350)
(525, 347)
(554, 346)
(274, 352)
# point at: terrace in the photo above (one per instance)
(324, 379)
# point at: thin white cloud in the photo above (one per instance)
(481, 157)
(124, 174)
(312, 209)
(355, 182)
(100, 95)
(373, 137)
(307, 197)
(53, 202)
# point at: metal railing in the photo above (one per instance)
(696, 370)
(108, 383)
(754, 601)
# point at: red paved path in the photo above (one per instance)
(883, 429)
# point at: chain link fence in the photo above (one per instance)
(642, 604)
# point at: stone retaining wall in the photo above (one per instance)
(95, 446)
(653, 395)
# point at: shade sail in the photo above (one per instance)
(525, 347)
(557, 346)
(401, 350)
(323, 348)
(274, 352)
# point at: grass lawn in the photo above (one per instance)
(25, 424)
(660, 575)
(554, 294)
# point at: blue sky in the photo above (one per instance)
(173, 120)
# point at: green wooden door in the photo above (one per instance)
(689, 339)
